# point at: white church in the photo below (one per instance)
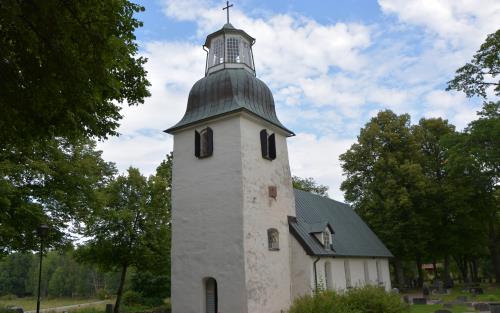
(243, 240)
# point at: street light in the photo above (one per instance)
(42, 232)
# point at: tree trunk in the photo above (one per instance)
(420, 280)
(434, 268)
(471, 270)
(462, 266)
(475, 274)
(120, 289)
(448, 283)
(400, 278)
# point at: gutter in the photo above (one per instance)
(315, 275)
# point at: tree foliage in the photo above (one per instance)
(474, 164)
(309, 185)
(52, 182)
(65, 65)
(475, 77)
(132, 228)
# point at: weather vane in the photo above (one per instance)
(227, 8)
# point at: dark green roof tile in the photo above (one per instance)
(352, 236)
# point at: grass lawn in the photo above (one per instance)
(431, 308)
(29, 304)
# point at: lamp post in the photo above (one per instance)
(42, 232)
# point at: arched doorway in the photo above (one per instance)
(211, 295)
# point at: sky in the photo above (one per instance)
(331, 65)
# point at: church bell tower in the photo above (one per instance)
(232, 189)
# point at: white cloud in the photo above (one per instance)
(144, 151)
(328, 79)
(318, 157)
(462, 22)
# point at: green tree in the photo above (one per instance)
(52, 182)
(153, 280)
(451, 224)
(130, 229)
(14, 274)
(65, 67)
(474, 161)
(309, 185)
(385, 183)
(476, 77)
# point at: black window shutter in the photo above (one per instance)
(210, 141)
(272, 147)
(197, 140)
(263, 143)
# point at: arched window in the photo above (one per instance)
(268, 145)
(211, 300)
(273, 239)
(203, 143)
(328, 276)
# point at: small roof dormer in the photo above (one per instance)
(229, 48)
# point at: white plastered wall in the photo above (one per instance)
(207, 220)
(303, 286)
(267, 272)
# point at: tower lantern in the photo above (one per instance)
(229, 48)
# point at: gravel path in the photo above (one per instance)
(69, 307)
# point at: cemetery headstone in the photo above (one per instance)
(462, 298)
(419, 301)
(495, 307)
(482, 307)
(425, 290)
(406, 299)
(477, 290)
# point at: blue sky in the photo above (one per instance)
(330, 64)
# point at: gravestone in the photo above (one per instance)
(448, 305)
(477, 290)
(495, 307)
(109, 308)
(462, 299)
(425, 290)
(406, 299)
(419, 301)
(482, 307)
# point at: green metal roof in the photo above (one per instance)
(352, 236)
(227, 91)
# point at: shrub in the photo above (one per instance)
(320, 302)
(367, 299)
(132, 298)
(371, 299)
(102, 294)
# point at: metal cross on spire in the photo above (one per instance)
(227, 8)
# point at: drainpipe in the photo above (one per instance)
(315, 275)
